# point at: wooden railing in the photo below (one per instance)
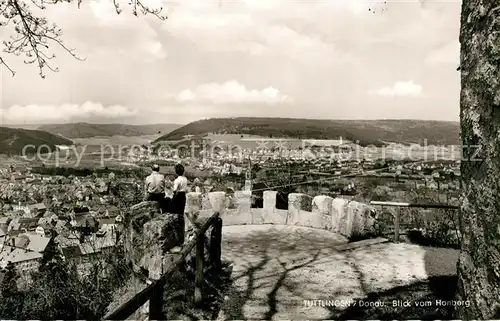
(154, 292)
(397, 216)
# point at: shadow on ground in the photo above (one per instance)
(269, 257)
(279, 269)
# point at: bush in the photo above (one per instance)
(437, 234)
(178, 296)
(57, 291)
(440, 228)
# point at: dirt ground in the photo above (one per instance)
(277, 268)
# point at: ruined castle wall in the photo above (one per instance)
(349, 218)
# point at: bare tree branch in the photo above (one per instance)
(33, 35)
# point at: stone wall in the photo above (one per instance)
(147, 232)
(349, 218)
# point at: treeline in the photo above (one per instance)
(57, 291)
(74, 171)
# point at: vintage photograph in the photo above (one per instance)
(249, 160)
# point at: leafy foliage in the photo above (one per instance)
(83, 171)
(431, 227)
(58, 291)
(10, 295)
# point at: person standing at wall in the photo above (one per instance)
(154, 187)
(178, 206)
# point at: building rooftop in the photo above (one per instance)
(20, 255)
(20, 241)
(38, 206)
(104, 221)
(37, 242)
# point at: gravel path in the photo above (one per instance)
(276, 268)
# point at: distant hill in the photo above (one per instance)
(13, 140)
(86, 130)
(22, 126)
(366, 132)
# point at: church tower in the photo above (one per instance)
(248, 177)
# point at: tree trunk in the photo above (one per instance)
(479, 262)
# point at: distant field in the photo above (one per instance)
(116, 140)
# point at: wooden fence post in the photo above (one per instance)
(200, 247)
(397, 219)
(156, 302)
(215, 244)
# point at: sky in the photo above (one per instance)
(324, 59)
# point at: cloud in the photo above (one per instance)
(67, 112)
(400, 88)
(260, 28)
(106, 12)
(326, 54)
(99, 32)
(231, 92)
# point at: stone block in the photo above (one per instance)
(269, 214)
(338, 209)
(269, 200)
(243, 200)
(218, 201)
(193, 206)
(193, 202)
(363, 219)
(231, 201)
(235, 217)
(257, 216)
(205, 213)
(351, 218)
(241, 215)
(322, 204)
(263, 216)
(320, 217)
(314, 220)
(205, 202)
(297, 203)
